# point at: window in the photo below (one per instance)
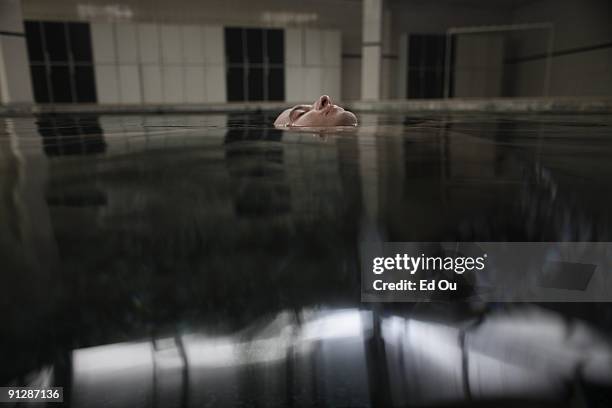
(426, 65)
(60, 62)
(255, 64)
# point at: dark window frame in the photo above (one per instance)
(250, 68)
(44, 89)
(426, 67)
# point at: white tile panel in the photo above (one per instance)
(313, 41)
(313, 76)
(194, 82)
(293, 46)
(294, 84)
(193, 44)
(107, 83)
(332, 48)
(152, 84)
(103, 43)
(214, 45)
(148, 41)
(127, 43)
(215, 83)
(129, 84)
(172, 82)
(331, 82)
(171, 46)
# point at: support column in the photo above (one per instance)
(15, 84)
(371, 49)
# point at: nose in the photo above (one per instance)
(323, 101)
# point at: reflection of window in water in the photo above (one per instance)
(65, 135)
(71, 135)
(256, 69)
(255, 162)
(82, 197)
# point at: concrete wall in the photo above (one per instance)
(433, 18)
(479, 66)
(576, 70)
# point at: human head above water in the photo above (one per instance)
(321, 113)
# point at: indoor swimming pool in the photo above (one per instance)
(214, 259)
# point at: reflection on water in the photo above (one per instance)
(68, 135)
(347, 357)
(123, 227)
(255, 162)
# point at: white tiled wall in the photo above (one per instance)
(103, 40)
(126, 40)
(148, 42)
(107, 83)
(171, 46)
(163, 63)
(214, 81)
(172, 80)
(152, 92)
(129, 84)
(196, 80)
(312, 57)
(193, 46)
(158, 63)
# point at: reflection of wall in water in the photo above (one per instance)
(9, 229)
(302, 176)
(155, 229)
(491, 180)
(27, 249)
(447, 182)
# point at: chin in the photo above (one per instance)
(346, 118)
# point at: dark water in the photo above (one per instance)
(164, 240)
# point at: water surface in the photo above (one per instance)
(123, 228)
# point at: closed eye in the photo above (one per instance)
(298, 111)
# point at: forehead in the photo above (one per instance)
(285, 114)
(283, 118)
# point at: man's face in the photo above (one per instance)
(321, 113)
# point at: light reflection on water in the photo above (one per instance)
(136, 225)
(348, 357)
